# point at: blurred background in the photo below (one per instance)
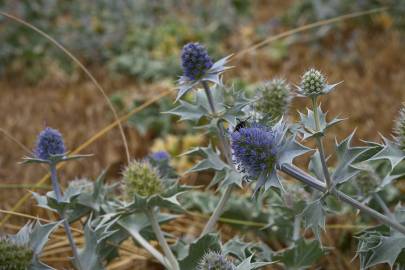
(132, 48)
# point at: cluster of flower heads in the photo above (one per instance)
(195, 61)
(215, 261)
(273, 99)
(255, 148)
(15, 254)
(400, 128)
(313, 83)
(141, 178)
(49, 143)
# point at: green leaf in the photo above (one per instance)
(212, 160)
(188, 111)
(314, 217)
(308, 126)
(346, 155)
(197, 250)
(248, 265)
(302, 254)
(390, 152)
(39, 235)
(387, 251)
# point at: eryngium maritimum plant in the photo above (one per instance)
(198, 67)
(142, 179)
(195, 61)
(49, 143)
(399, 129)
(273, 99)
(215, 261)
(313, 84)
(258, 149)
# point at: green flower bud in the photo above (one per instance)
(215, 261)
(82, 184)
(399, 129)
(142, 179)
(367, 181)
(14, 255)
(313, 83)
(273, 99)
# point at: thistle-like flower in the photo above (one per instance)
(142, 179)
(273, 99)
(198, 67)
(399, 128)
(257, 151)
(49, 143)
(313, 84)
(159, 156)
(215, 261)
(195, 61)
(14, 254)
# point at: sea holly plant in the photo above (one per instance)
(250, 153)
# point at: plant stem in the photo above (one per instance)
(319, 143)
(297, 227)
(162, 241)
(383, 206)
(226, 151)
(153, 251)
(302, 176)
(58, 194)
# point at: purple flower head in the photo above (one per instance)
(49, 143)
(195, 61)
(215, 261)
(160, 156)
(255, 149)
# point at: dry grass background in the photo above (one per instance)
(373, 90)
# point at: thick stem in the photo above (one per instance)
(217, 212)
(58, 194)
(162, 241)
(154, 252)
(297, 227)
(226, 151)
(302, 176)
(319, 143)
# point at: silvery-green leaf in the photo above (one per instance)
(188, 111)
(301, 255)
(236, 247)
(387, 251)
(315, 165)
(248, 265)
(39, 235)
(212, 160)
(314, 217)
(185, 85)
(290, 150)
(390, 152)
(226, 177)
(197, 250)
(346, 155)
(308, 126)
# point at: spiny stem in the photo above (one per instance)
(226, 151)
(153, 251)
(302, 176)
(319, 143)
(162, 241)
(58, 194)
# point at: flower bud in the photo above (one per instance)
(49, 142)
(195, 61)
(273, 99)
(313, 83)
(142, 179)
(14, 255)
(399, 129)
(215, 261)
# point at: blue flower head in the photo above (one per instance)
(49, 143)
(195, 61)
(215, 261)
(160, 156)
(257, 150)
